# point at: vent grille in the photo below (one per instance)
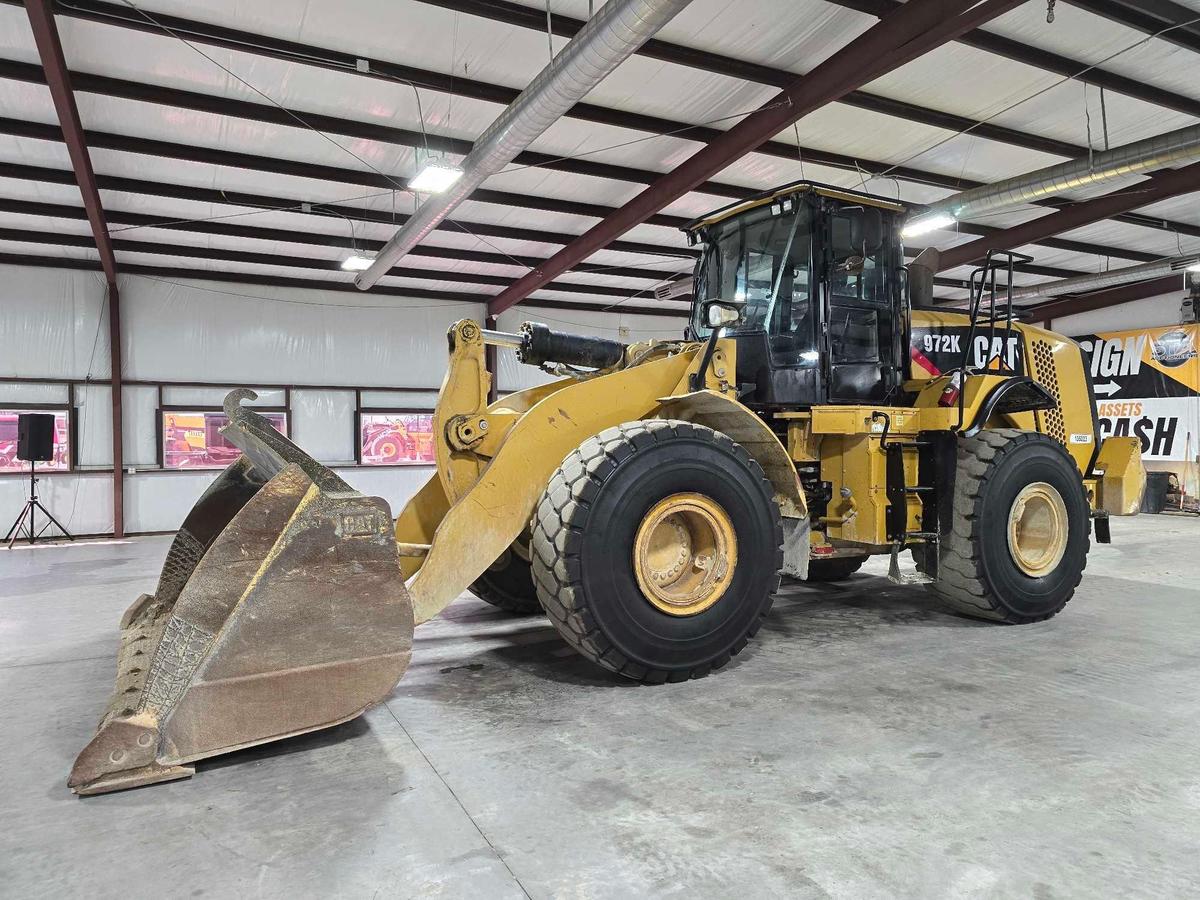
(1046, 373)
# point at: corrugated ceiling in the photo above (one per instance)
(495, 239)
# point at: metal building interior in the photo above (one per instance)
(215, 196)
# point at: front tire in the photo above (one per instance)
(657, 548)
(508, 584)
(1021, 522)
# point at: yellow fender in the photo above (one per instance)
(724, 414)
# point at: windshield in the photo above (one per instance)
(762, 259)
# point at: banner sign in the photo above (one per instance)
(1147, 385)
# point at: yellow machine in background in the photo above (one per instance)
(648, 499)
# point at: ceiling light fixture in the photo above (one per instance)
(435, 176)
(926, 224)
(358, 262)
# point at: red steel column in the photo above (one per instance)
(118, 452)
(58, 79)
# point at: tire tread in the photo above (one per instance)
(961, 585)
(557, 531)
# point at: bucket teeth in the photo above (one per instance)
(280, 609)
(122, 755)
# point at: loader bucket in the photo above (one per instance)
(280, 609)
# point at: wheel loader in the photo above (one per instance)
(819, 409)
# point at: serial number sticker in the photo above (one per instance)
(1081, 439)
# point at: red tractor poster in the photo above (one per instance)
(194, 440)
(390, 439)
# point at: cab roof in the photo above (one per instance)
(793, 189)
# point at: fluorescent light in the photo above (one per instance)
(435, 176)
(357, 263)
(926, 224)
(1195, 267)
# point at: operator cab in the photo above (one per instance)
(817, 274)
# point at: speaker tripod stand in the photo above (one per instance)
(27, 517)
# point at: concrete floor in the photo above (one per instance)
(866, 745)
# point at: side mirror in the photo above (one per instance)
(866, 230)
(719, 313)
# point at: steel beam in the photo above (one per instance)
(1150, 17)
(1159, 186)
(1050, 62)
(237, 160)
(384, 70)
(370, 131)
(340, 210)
(158, 248)
(263, 45)
(918, 26)
(58, 80)
(33, 236)
(535, 19)
(55, 76)
(320, 239)
(1081, 303)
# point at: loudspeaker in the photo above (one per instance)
(35, 437)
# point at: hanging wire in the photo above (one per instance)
(1103, 117)
(1087, 114)
(257, 211)
(650, 137)
(1038, 93)
(549, 31)
(263, 94)
(799, 151)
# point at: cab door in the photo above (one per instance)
(863, 321)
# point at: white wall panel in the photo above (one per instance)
(207, 331)
(1149, 313)
(53, 323)
(159, 501)
(395, 484)
(81, 501)
(215, 396)
(402, 399)
(20, 394)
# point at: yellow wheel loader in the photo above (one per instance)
(648, 499)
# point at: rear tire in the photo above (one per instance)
(602, 511)
(1021, 523)
(508, 584)
(839, 568)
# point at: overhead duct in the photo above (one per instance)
(1140, 157)
(1112, 278)
(609, 37)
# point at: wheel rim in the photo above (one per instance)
(684, 554)
(1037, 529)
